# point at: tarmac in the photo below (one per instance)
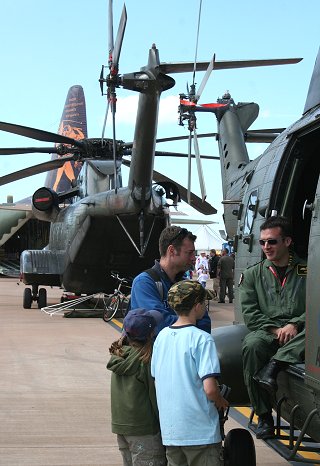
(54, 386)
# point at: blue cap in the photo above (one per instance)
(139, 323)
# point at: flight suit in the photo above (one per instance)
(266, 302)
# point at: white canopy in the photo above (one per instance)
(207, 239)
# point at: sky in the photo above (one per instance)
(48, 46)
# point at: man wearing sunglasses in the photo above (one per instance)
(273, 299)
(177, 255)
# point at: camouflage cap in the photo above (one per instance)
(183, 295)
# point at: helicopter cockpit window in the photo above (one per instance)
(250, 212)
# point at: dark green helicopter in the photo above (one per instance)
(284, 180)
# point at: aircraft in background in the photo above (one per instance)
(19, 227)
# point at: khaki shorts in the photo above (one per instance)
(142, 450)
(197, 455)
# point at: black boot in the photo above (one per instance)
(267, 376)
(265, 428)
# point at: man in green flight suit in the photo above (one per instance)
(272, 298)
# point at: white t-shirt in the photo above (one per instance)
(182, 358)
(203, 277)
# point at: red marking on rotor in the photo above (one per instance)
(213, 105)
(187, 103)
(43, 199)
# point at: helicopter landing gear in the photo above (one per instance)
(42, 298)
(239, 448)
(29, 296)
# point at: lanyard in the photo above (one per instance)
(277, 277)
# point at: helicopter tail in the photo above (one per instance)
(73, 124)
(313, 97)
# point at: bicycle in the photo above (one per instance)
(118, 301)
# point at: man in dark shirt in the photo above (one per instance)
(225, 272)
(177, 255)
(213, 271)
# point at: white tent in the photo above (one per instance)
(207, 239)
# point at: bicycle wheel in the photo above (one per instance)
(111, 307)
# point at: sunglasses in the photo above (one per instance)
(183, 232)
(271, 242)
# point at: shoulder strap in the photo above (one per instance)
(156, 277)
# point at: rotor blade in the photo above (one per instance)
(213, 135)
(199, 166)
(205, 78)
(105, 122)
(110, 28)
(114, 147)
(119, 38)
(37, 134)
(101, 79)
(181, 138)
(268, 130)
(189, 168)
(28, 150)
(173, 138)
(184, 67)
(182, 155)
(34, 170)
(197, 40)
(260, 137)
(207, 135)
(203, 207)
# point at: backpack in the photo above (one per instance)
(156, 277)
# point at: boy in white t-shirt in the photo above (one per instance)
(185, 366)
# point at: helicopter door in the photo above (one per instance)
(296, 184)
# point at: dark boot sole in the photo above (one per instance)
(270, 388)
(265, 435)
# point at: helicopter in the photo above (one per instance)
(120, 224)
(284, 180)
(97, 224)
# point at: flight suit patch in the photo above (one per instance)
(302, 270)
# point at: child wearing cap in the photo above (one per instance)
(185, 366)
(134, 409)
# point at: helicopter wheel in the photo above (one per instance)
(27, 298)
(239, 448)
(42, 298)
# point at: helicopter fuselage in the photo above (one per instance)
(284, 180)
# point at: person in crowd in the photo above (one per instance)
(150, 288)
(226, 276)
(134, 410)
(201, 260)
(186, 367)
(213, 272)
(273, 301)
(203, 276)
